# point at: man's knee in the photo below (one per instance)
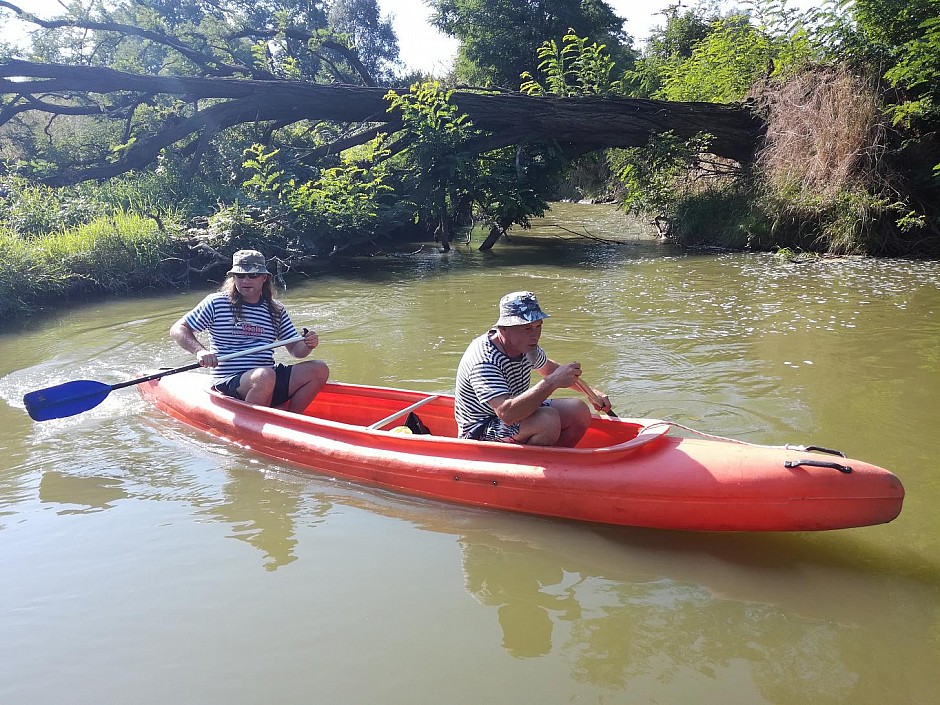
(541, 428)
(315, 371)
(573, 412)
(260, 380)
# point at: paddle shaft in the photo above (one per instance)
(75, 397)
(589, 393)
(195, 365)
(399, 414)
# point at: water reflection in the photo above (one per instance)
(221, 484)
(262, 508)
(84, 493)
(528, 590)
(263, 513)
(778, 615)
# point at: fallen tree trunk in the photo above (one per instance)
(583, 123)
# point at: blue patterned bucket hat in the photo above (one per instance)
(519, 308)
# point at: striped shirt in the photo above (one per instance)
(228, 335)
(484, 373)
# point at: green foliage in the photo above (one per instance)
(654, 177)
(120, 253)
(751, 215)
(499, 39)
(700, 55)
(238, 226)
(667, 45)
(577, 68)
(266, 176)
(722, 66)
(373, 36)
(918, 70)
(722, 216)
(426, 111)
(501, 187)
(515, 184)
(438, 153)
(343, 207)
(28, 210)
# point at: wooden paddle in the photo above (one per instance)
(586, 390)
(81, 395)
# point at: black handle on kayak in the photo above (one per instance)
(830, 451)
(817, 464)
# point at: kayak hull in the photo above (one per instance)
(626, 472)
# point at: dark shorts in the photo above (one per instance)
(229, 385)
(495, 430)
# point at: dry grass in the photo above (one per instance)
(825, 135)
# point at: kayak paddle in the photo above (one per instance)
(586, 390)
(81, 395)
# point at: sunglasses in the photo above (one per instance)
(250, 276)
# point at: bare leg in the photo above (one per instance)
(542, 428)
(306, 381)
(575, 419)
(257, 386)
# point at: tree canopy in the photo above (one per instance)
(292, 106)
(138, 79)
(499, 39)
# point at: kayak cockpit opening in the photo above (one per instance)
(388, 410)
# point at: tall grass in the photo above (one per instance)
(116, 254)
(826, 178)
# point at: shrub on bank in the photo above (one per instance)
(736, 217)
(829, 179)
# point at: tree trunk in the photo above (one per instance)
(507, 118)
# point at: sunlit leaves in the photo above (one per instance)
(575, 68)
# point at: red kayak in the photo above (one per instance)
(628, 472)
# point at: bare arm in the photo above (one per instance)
(551, 367)
(302, 348)
(186, 338)
(554, 376)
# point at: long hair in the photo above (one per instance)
(275, 307)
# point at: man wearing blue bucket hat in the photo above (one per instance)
(494, 401)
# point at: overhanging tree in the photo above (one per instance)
(189, 81)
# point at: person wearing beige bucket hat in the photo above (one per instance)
(243, 315)
(493, 399)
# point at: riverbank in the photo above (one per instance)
(125, 253)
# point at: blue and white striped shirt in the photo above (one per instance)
(484, 373)
(228, 335)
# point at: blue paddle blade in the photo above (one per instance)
(65, 399)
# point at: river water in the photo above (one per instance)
(145, 563)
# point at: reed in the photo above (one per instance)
(825, 181)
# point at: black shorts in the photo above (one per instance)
(229, 385)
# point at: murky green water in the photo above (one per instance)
(145, 563)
